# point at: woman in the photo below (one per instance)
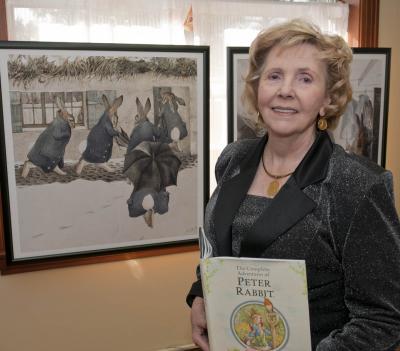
(295, 195)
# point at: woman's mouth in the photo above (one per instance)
(281, 109)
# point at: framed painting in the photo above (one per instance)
(241, 123)
(361, 129)
(104, 151)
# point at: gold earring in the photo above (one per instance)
(322, 123)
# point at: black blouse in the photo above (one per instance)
(249, 211)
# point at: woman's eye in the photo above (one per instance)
(273, 76)
(306, 79)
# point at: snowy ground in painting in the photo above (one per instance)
(88, 215)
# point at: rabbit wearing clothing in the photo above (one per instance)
(158, 203)
(144, 130)
(101, 137)
(48, 151)
(171, 124)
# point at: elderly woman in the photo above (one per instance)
(293, 194)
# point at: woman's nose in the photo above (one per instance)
(286, 89)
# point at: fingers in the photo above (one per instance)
(200, 338)
(198, 314)
(199, 324)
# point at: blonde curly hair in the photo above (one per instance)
(333, 50)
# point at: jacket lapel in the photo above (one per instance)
(291, 204)
(288, 207)
(231, 195)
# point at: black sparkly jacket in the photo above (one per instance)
(336, 212)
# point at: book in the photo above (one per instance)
(255, 304)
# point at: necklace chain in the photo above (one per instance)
(279, 176)
(273, 187)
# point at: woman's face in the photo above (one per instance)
(292, 90)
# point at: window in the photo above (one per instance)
(40, 109)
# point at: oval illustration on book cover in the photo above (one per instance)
(259, 326)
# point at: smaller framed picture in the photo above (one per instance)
(241, 125)
(361, 129)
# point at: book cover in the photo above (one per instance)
(255, 304)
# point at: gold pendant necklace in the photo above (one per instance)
(273, 187)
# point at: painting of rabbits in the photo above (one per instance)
(82, 123)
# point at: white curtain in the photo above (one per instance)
(216, 23)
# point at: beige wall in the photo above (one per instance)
(130, 305)
(139, 304)
(389, 27)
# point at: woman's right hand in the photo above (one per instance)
(199, 324)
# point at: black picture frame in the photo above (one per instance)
(53, 219)
(370, 72)
(362, 128)
(237, 61)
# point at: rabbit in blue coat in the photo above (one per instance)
(101, 137)
(143, 130)
(171, 124)
(48, 151)
(146, 202)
